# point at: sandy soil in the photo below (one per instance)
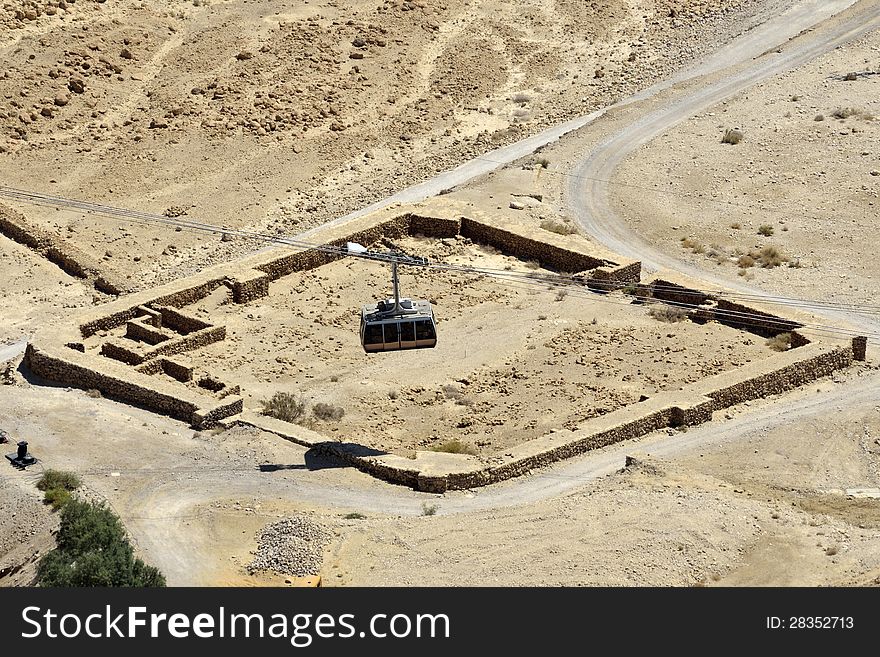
(255, 114)
(807, 169)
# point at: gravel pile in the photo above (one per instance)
(293, 546)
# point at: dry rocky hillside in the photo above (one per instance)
(280, 115)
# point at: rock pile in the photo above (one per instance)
(293, 546)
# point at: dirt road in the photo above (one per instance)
(588, 190)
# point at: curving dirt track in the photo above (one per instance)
(588, 190)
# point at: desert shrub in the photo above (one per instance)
(766, 230)
(732, 136)
(52, 479)
(542, 162)
(429, 509)
(93, 550)
(354, 516)
(846, 112)
(693, 245)
(324, 411)
(561, 295)
(454, 446)
(57, 497)
(819, 117)
(663, 312)
(745, 262)
(769, 257)
(736, 225)
(831, 551)
(284, 406)
(780, 342)
(520, 98)
(559, 227)
(393, 394)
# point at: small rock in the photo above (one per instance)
(517, 205)
(76, 85)
(244, 55)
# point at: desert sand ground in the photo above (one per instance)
(769, 493)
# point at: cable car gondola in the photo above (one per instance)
(396, 324)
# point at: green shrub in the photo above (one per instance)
(429, 509)
(766, 230)
(93, 550)
(284, 406)
(58, 479)
(57, 497)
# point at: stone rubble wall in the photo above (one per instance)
(690, 406)
(69, 258)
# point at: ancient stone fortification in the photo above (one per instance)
(690, 406)
(131, 349)
(129, 365)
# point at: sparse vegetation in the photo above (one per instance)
(561, 295)
(454, 446)
(732, 136)
(354, 516)
(847, 112)
(831, 551)
(328, 412)
(736, 225)
(745, 261)
(57, 486)
(664, 312)
(769, 257)
(521, 98)
(93, 550)
(284, 406)
(560, 227)
(693, 245)
(780, 342)
(766, 230)
(542, 162)
(429, 509)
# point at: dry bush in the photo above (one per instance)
(542, 162)
(780, 342)
(693, 245)
(766, 230)
(846, 112)
(454, 446)
(521, 98)
(324, 411)
(663, 312)
(429, 509)
(561, 295)
(559, 227)
(736, 225)
(769, 257)
(745, 262)
(732, 136)
(284, 406)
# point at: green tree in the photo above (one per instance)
(93, 551)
